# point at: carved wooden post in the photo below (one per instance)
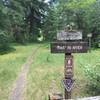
(68, 75)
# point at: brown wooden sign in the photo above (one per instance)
(69, 47)
(69, 42)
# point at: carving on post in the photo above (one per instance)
(69, 68)
(68, 84)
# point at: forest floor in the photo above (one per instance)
(40, 71)
(21, 83)
(11, 66)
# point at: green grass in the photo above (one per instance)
(47, 67)
(10, 66)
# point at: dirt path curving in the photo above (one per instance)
(20, 84)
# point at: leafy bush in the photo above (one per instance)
(96, 42)
(4, 44)
(93, 77)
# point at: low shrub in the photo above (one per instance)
(4, 43)
(93, 77)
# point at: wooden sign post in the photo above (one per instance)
(68, 75)
(69, 42)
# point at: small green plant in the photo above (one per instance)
(93, 77)
(96, 43)
(4, 44)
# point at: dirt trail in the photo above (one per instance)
(20, 84)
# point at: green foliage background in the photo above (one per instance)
(24, 20)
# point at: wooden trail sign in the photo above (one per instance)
(69, 47)
(69, 42)
(69, 35)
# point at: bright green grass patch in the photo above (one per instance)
(47, 67)
(10, 66)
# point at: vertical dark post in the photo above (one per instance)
(67, 95)
(89, 37)
(89, 44)
(68, 72)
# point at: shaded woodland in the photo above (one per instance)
(27, 20)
